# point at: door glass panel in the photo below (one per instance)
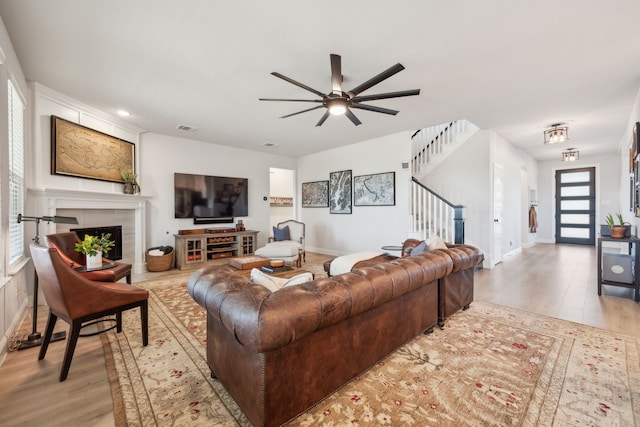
(580, 233)
(568, 177)
(574, 191)
(574, 219)
(574, 205)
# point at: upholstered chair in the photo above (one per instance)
(65, 243)
(79, 301)
(287, 242)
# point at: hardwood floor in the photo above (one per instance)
(554, 280)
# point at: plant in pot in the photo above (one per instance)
(130, 181)
(617, 225)
(93, 247)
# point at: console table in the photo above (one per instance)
(193, 250)
(634, 248)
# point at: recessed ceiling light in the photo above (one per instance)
(269, 144)
(187, 128)
(123, 113)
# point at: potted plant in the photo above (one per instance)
(130, 181)
(617, 228)
(93, 247)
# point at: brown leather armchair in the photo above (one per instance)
(65, 243)
(77, 300)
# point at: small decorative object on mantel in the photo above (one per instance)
(240, 225)
(618, 229)
(130, 181)
(93, 247)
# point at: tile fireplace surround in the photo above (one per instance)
(94, 209)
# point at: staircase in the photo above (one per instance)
(430, 212)
(430, 146)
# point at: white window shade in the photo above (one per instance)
(16, 173)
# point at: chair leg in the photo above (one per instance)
(144, 320)
(51, 322)
(119, 322)
(128, 279)
(72, 339)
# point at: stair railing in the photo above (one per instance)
(433, 214)
(428, 142)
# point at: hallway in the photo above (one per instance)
(559, 281)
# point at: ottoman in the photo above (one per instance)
(280, 250)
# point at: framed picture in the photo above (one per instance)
(79, 151)
(340, 192)
(375, 190)
(315, 194)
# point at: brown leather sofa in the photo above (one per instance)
(455, 290)
(279, 353)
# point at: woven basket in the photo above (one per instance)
(160, 262)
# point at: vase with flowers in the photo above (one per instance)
(130, 180)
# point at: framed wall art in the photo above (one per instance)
(375, 190)
(315, 194)
(340, 201)
(82, 152)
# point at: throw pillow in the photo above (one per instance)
(435, 242)
(281, 233)
(419, 249)
(276, 283)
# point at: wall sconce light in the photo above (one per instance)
(571, 155)
(555, 133)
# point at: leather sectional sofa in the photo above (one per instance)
(455, 290)
(278, 353)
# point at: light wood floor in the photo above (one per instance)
(554, 280)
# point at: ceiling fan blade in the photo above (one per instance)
(376, 109)
(376, 79)
(323, 118)
(300, 112)
(352, 117)
(292, 100)
(303, 86)
(386, 95)
(336, 74)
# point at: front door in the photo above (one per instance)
(575, 206)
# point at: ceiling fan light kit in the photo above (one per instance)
(337, 102)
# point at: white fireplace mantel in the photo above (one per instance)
(46, 202)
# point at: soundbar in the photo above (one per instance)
(206, 220)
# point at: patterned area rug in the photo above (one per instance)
(489, 366)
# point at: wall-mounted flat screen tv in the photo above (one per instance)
(203, 196)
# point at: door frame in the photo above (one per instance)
(552, 202)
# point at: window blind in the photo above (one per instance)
(16, 173)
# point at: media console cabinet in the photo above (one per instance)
(193, 250)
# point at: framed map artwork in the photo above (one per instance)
(315, 194)
(340, 197)
(79, 151)
(375, 190)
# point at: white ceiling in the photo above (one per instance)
(513, 66)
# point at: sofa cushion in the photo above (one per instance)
(276, 283)
(281, 233)
(435, 242)
(419, 249)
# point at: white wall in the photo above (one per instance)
(161, 156)
(368, 227)
(607, 190)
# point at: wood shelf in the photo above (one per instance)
(194, 250)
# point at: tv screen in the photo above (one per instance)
(203, 196)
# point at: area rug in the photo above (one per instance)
(489, 366)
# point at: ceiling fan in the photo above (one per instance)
(338, 102)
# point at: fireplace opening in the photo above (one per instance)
(116, 235)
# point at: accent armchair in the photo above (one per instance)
(65, 243)
(80, 302)
(287, 242)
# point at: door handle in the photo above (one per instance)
(496, 220)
